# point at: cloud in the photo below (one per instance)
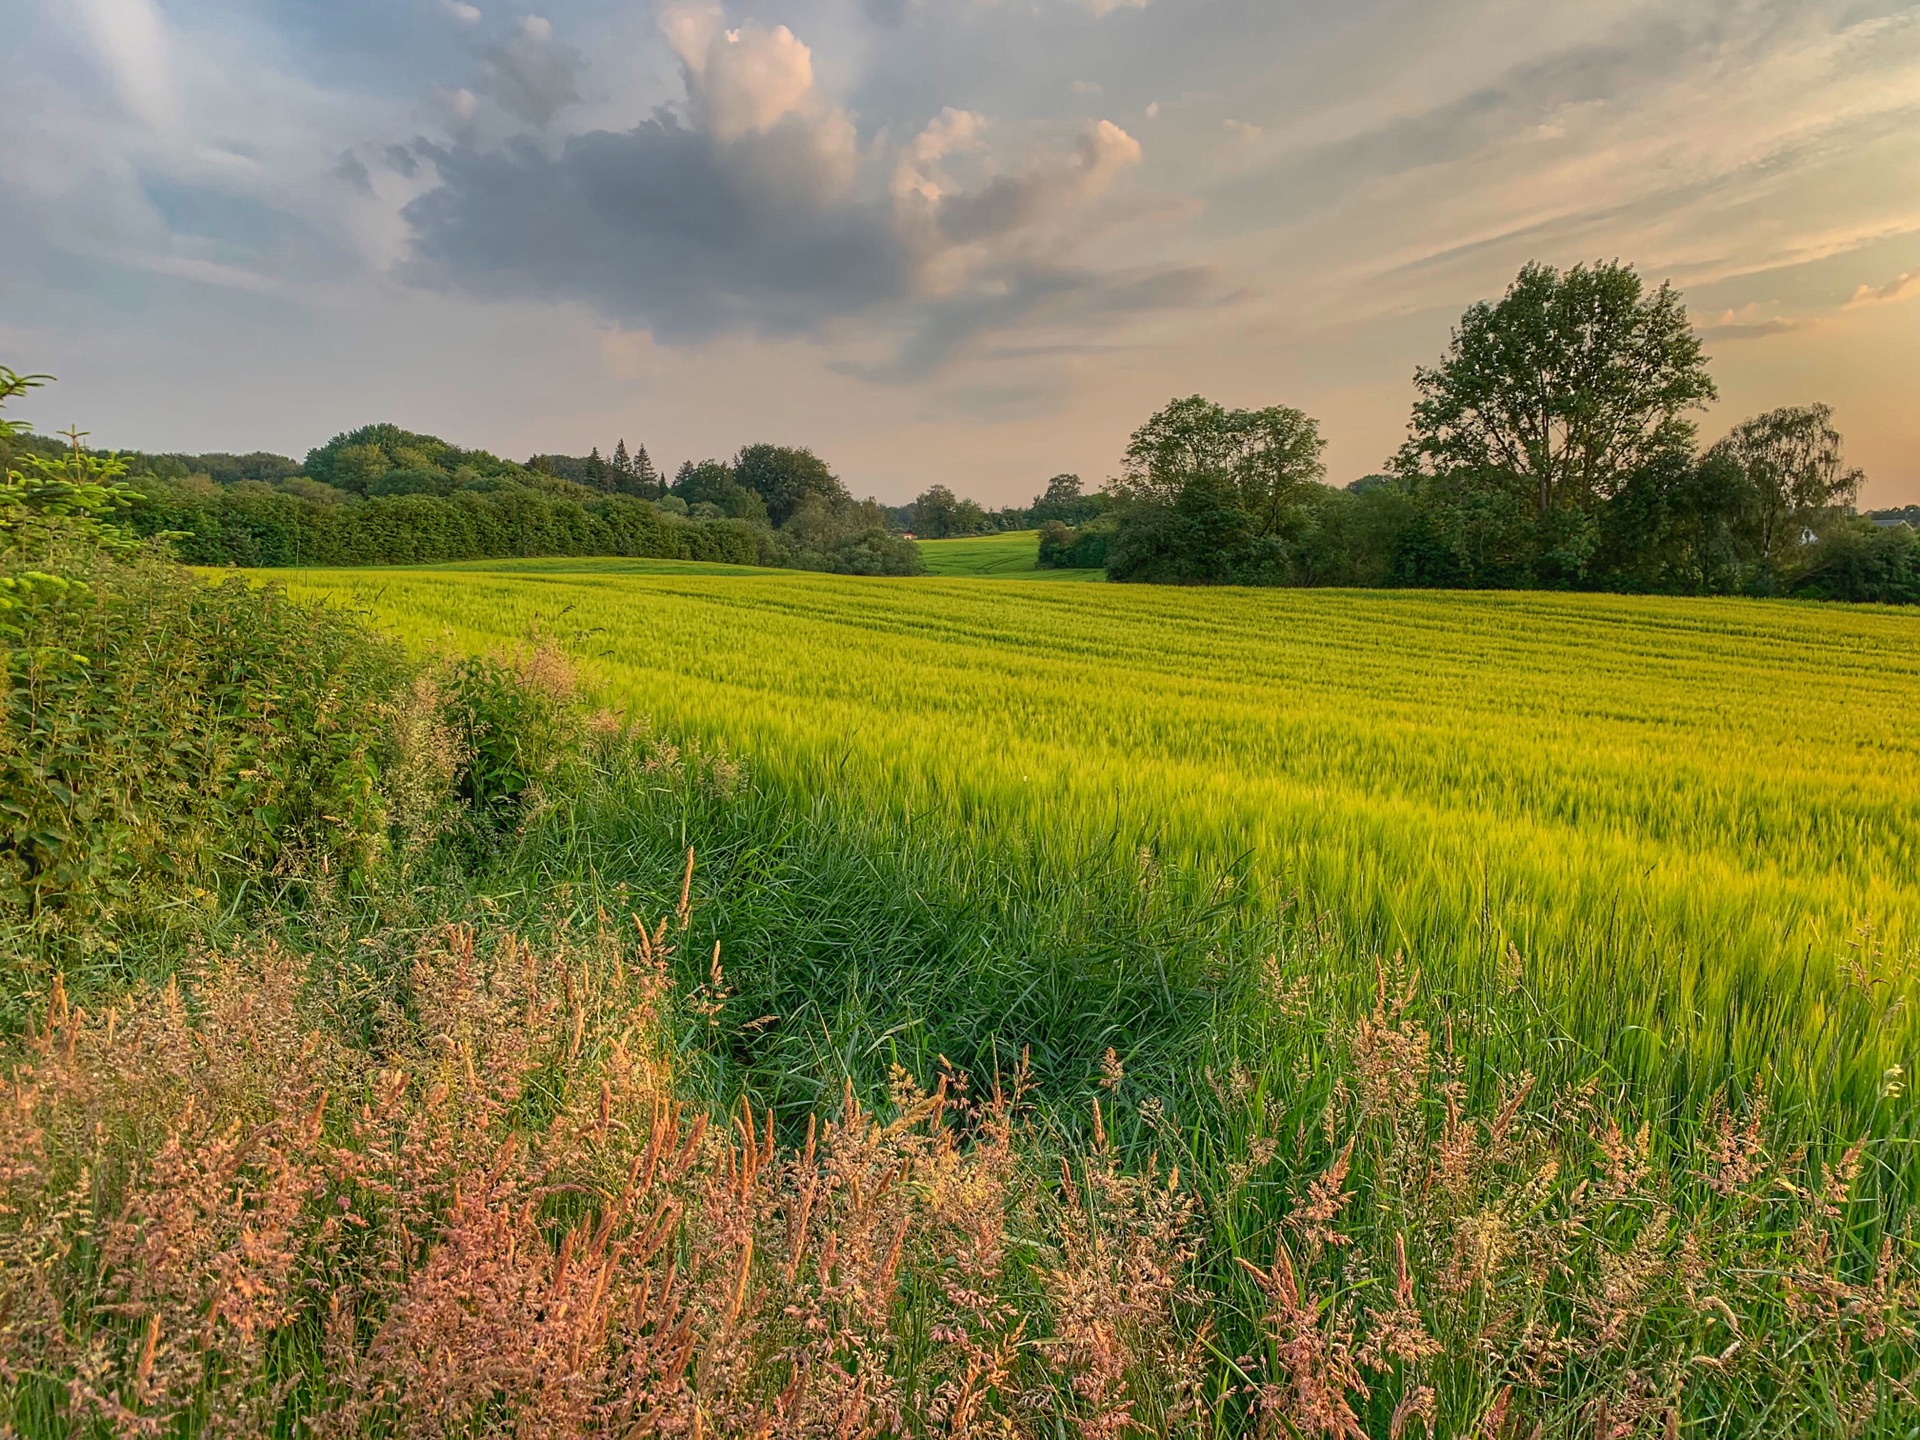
(131, 39)
(758, 210)
(1107, 7)
(465, 14)
(1746, 324)
(530, 75)
(354, 171)
(743, 81)
(1901, 287)
(461, 105)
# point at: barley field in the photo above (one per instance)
(1692, 827)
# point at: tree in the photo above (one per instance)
(1276, 463)
(1792, 476)
(1065, 502)
(633, 474)
(1179, 443)
(784, 476)
(713, 482)
(77, 492)
(938, 514)
(1267, 458)
(1562, 390)
(643, 480)
(599, 473)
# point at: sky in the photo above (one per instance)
(969, 242)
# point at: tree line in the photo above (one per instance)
(384, 495)
(1552, 447)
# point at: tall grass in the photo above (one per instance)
(1694, 822)
(1119, 1157)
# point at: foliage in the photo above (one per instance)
(165, 742)
(249, 528)
(939, 514)
(1065, 502)
(1063, 547)
(848, 537)
(786, 477)
(1859, 561)
(1213, 496)
(74, 495)
(1792, 479)
(1561, 390)
(712, 482)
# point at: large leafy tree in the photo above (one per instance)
(938, 513)
(1792, 476)
(784, 476)
(1562, 390)
(1266, 459)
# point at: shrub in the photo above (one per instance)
(163, 741)
(1063, 547)
(1861, 561)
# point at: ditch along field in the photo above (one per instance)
(1688, 831)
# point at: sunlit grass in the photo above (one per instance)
(1696, 822)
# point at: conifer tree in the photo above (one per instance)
(644, 480)
(622, 465)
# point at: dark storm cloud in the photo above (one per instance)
(667, 227)
(657, 225)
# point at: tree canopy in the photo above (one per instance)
(784, 476)
(1562, 389)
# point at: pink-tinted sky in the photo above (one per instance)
(964, 241)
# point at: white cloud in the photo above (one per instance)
(1107, 7)
(464, 13)
(461, 104)
(1747, 323)
(917, 173)
(130, 37)
(746, 80)
(1901, 287)
(1085, 87)
(537, 28)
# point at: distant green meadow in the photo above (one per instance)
(1014, 555)
(1692, 825)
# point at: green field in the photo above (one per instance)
(1013, 556)
(1697, 822)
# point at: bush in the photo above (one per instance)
(1860, 561)
(1063, 547)
(164, 741)
(406, 519)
